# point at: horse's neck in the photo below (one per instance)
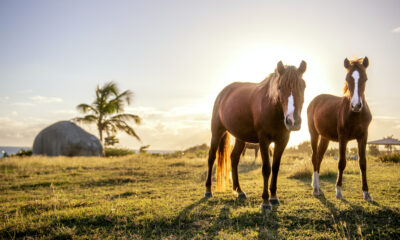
(270, 108)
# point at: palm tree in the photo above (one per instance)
(107, 109)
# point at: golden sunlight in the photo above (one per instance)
(255, 62)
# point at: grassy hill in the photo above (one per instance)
(151, 197)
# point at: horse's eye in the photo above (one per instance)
(279, 88)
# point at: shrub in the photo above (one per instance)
(390, 158)
(23, 152)
(373, 150)
(116, 152)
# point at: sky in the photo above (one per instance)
(177, 55)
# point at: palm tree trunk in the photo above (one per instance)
(100, 133)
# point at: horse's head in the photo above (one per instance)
(291, 93)
(355, 82)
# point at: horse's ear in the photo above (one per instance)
(346, 63)
(281, 68)
(365, 62)
(302, 68)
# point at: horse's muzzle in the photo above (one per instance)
(356, 107)
(292, 122)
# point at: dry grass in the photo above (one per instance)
(150, 197)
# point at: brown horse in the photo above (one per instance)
(256, 148)
(253, 146)
(261, 113)
(341, 119)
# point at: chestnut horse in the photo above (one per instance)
(341, 119)
(253, 146)
(261, 113)
(256, 148)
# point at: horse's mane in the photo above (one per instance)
(357, 63)
(290, 80)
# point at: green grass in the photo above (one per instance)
(151, 197)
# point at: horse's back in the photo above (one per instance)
(233, 109)
(322, 114)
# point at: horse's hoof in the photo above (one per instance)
(339, 197)
(208, 195)
(339, 193)
(274, 201)
(266, 207)
(242, 196)
(367, 197)
(318, 192)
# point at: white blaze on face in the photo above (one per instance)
(355, 99)
(290, 107)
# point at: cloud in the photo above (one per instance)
(4, 99)
(386, 118)
(66, 112)
(396, 30)
(23, 104)
(176, 128)
(20, 132)
(42, 99)
(25, 91)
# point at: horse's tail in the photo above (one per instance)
(223, 165)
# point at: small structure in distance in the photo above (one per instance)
(388, 142)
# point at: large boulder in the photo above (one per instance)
(67, 139)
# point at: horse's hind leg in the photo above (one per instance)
(322, 146)
(235, 157)
(255, 154)
(314, 158)
(215, 140)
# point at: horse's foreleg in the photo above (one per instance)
(341, 167)
(266, 171)
(235, 157)
(278, 151)
(363, 167)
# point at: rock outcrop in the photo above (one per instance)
(67, 139)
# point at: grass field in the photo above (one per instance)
(149, 197)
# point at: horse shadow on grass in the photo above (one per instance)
(358, 221)
(266, 224)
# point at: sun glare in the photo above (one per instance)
(254, 63)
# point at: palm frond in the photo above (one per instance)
(109, 127)
(86, 119)
(123, 126)
(127, 117)
(126, 96)
(84, 108)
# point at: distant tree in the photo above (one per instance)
(353, 151)
(304, 147)
(332, 152)
(106, 112)
(373, 150)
